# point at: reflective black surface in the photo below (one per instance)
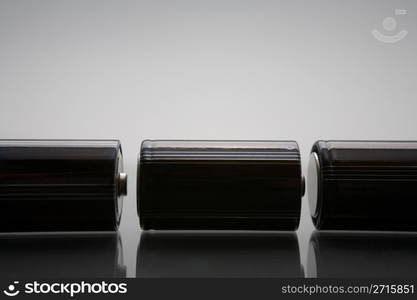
(203, 254)
(59, 185)
(365, 255)
(63, 255)
(218, 255)
(366, 185)
(254, 185)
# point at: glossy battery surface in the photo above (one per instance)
(59, 185)
(247, 185)
(363, 185)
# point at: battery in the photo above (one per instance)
(363, 185)
(61, 185)
(219, 185)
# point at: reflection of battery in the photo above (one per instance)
(61, 255)
(362, 255)
(219, 185)
(218, 255)
(60, 185)
(363, 185)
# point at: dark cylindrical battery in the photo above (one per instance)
(363, 185)
(242, 185)
(60, 185)
(162, 254)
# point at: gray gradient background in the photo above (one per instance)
(301, 70)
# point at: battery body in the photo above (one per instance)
(219, 185)
(363, 185)
(60, 185)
